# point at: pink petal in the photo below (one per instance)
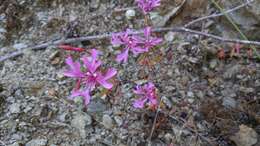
(104, 83)
(116, 39)
(123, 56)
(74, 69)
(147, 31)
(156, 41)
(110, 73)
(95, 53)
(150, 85)
(91, 64)
(153, 101)
(139, 103)
(84, 94)
(137, 50)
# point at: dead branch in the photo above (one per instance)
(218, 15)
(104, 36)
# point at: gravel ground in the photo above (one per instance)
(205, 100)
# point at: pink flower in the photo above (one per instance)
(148, 41)
(74, 71)
(147, 93)
(91, 77)
(147, 5)
(134, 43)
(129, 41)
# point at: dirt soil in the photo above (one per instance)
(205, 100)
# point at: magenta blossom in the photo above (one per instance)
(91, 77)
(134, 43)
(147, 93)
(147, 5)
(148, 41)
(129, 41)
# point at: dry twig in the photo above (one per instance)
(217, 15)
(104, 36)
(154, 123)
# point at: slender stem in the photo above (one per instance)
(154, 122)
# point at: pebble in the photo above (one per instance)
(246, 136)
(190, 94)
(169, 37)
(213, 63)
(96, 106)
(119, 120)
(130, 14)
(229, 102)
(94, 4)
(107, 122)
(15, 144)
(232, 71)
(37, 142)
(15, 108)
(167, 102)
(168, 137)
(80, 121)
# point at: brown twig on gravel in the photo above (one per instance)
(219, 14)
(154, 123)
(103, 36)
(182, 121)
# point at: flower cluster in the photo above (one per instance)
(134, 43)
(89, 75)
(147, 93)
(87, 80)
(148, 5)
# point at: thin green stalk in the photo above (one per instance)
(235, 26)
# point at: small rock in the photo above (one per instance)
(168, 137)
(37, 142)
(193, 59)
(80, 121)
(169, 37)
(60, 76)
(213, 63)
(63, 117)
(119, 120)
(94, 4)
(15, 144)
(130, 14)
(232, 71)
(96, 106)
(15, 108)
(166, 101)
(190, 94)
(191, 100)
(246, 136)
(229, 102)
(247, 90)
(140, 82)
(107, 121)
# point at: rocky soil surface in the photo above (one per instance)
(204, 100)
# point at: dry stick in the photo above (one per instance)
(103, 36)
(154, 123)
(182, 121)
(218, 15)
